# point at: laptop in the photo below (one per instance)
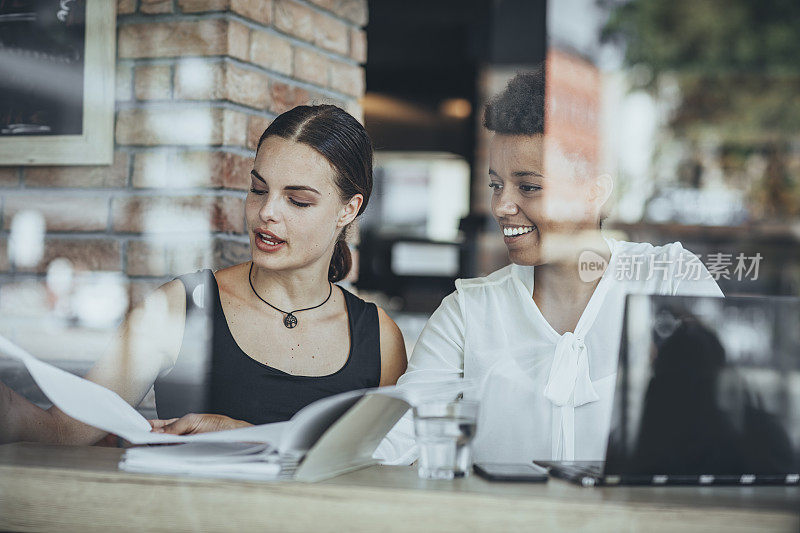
(708, 392)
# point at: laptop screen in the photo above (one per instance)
(707, 386)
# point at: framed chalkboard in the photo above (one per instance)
(57, 83)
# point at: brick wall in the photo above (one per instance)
(197, 82)
(573, 87)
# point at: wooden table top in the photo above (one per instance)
(72, 488)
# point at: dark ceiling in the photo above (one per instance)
(426, 50)
(421, 52)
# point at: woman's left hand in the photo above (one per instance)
(196, 423)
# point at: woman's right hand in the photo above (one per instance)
(196, 423)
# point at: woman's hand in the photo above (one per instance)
(196, 423)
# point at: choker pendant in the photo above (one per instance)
(289, 320)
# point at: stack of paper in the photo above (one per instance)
(207, 459)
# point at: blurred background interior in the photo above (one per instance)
(692, 107)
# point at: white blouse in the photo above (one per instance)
(542, 395)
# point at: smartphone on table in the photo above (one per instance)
(511, 472)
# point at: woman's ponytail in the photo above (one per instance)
(341, 261)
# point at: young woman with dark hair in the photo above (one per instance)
(281, 334)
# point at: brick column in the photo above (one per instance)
(197, 83)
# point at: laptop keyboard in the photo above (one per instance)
(583, 467)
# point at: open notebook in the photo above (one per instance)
(331, 436)
(326, 438)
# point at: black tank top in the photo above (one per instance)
(231, 383)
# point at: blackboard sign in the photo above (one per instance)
(42, 58)
(57, 82)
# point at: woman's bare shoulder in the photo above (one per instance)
(232, 280)
(393, 349)
(167, 301)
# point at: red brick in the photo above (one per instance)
(168, 39)
(167, 169)
(234, 128)
(197, 79)
(238, 40)
(124, 82)
(162, 214)
(295, 19)
(102, 254)
(235, 171)
(231, 171)
(284, 96)
(246, 87)
(85, 254)
(174, 125)
(348, 79)
(229, 214)
(167, 258)
(310, 66)
(153, 82)
(125, 7)
(331, 34)
(152, 169)
(255, 127)
(196, 168)
(9, 177)
(358, 45)
(353, 10)
(101, 176)
(197, 6)
(192, 215)
(61, 212)
(258, 10)
(271, 51)
(152, 7)
(144, 259)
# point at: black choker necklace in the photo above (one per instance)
(289, 320)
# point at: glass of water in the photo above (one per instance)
(444, 431)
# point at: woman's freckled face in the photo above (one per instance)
(527, 193)
(297, 201)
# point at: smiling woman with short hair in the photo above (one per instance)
(541, 336)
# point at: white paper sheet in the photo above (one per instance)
(97, 406)
(203, 452)
(230, 460)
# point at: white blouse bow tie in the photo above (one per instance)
(568, 386)
(570, 373)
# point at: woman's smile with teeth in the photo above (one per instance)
(269, 240)
(513, 231)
